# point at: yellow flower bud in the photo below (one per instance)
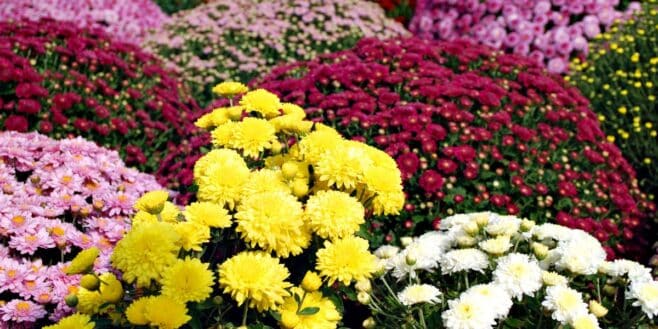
(540, 250)
(299, 188)
(276, 147)
(363, 297)
(289, 170)
(597, 309)
(527, 225)
(369, 323)
(311, 282)
(363, 285)
(90, 282)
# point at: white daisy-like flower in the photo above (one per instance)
(503, 225)
(469, 259)
(565, 303)
(635, 271)
(494, 296)
(518, 274)
(386, 251)
(419, 293)
(496, 246)
(585, 321)
(422, 253)
(646, 296)
(573, 257)
(454, 221)
(468, 312)
(551, 231)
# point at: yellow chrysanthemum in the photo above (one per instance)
(290, 124)
(142, 217)
(385, 186)
(89, 302)
(144, 253)
(221, 181)
(136, 311)
(83, 261)
(169, 213)
(327, 316)
(334, 214)
(344, 165)
(192, 235)
(346, 260)
(261, 101)
(216, 118)
(166, 313)
(152, 202)
(255, 277)
(208, 213)
(273, 221)
(110, 289)
(229, 88)
(264, 180)
(188, 280)
(224, 135)
(293, 109)
(381, 159)
(313, 145)
(253, 136)
(74, 321)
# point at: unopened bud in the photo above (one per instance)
(406, 240)
(363, 285)
(90, 282)
(466, 241)
(363, 297)
(597, 309)
(71, 300)
(540, 250)
(527, 225)
(369, 323)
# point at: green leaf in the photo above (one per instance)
(309, 311)
(276, 316)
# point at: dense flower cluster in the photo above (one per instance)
(124, 20)
(280, 199)
(550, 32)
(63, 81)
(474, 130)
(400, 10)
(484, 270)
(57, 197)
(241, 39)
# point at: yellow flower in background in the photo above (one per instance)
(192, 235)
(343, 165)
(334, 214)
(327, 316)
(152, 202)
(256, 278)
(274, 222)
(217, 117)
(75, 321)
(136, 311)
(346, 260)
(83, 261)
(89, 302)
(111, 289)
(166, 313)
(220, 175)
(253, 136)
(208, 214)
(311, 281)
(261, 101)
(188, 280)
(265, 180)
(145, 252)
(228, 89)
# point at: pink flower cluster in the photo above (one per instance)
(56, 198)
(125, 20)
(549, 31)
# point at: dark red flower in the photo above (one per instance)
(16, 123)
(431, 181)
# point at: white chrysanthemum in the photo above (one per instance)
(551, 231)
(386, 251)
(455, 221)
(503, 225)
(565, 303)
(646, 296)
(551, 258)
(518, 274)
(573, 257)
(469, 259)
(496, 246)
(636, 272)
(468, 312)
(419, 293)
(494, 296)
(585, 321)
(419, 255)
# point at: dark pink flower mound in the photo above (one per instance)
(63, 81)
(474, 130)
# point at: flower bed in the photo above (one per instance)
(63, 81)
(473, 130)
(124, 20)
(550, 32)
(56, 198)
(238, 40)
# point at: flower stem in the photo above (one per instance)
(246, 310)
(422, 318)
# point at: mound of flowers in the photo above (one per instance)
(274, 227)
(239, 40)
(484, 270)
(550, 32)
(472, 130)
(56, 198)
(63, 81)
(124, 20)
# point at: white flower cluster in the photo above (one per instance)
(523, 259)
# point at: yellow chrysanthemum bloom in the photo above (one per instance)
(136, 311)
(83, 261)
(224, 135)
(261, 101)
(313, 145)
(169, 213)
(217, 117)
(273, 221)
(74, 321)
(89, 302)
(253, 136)
(192, 235)
(208, 213)
(346, 260)
(293, 109)
(152, 202)
(111, 289)
(381, 159)
(334, 214)
(290, 124)
(385, 186)
(142, 217)
(188, 280)
(221, 180)
(343, 165)
(166, 313)
(144, 253)
(255, 277)
(228, 89)
(265, 180)
(327, 316)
